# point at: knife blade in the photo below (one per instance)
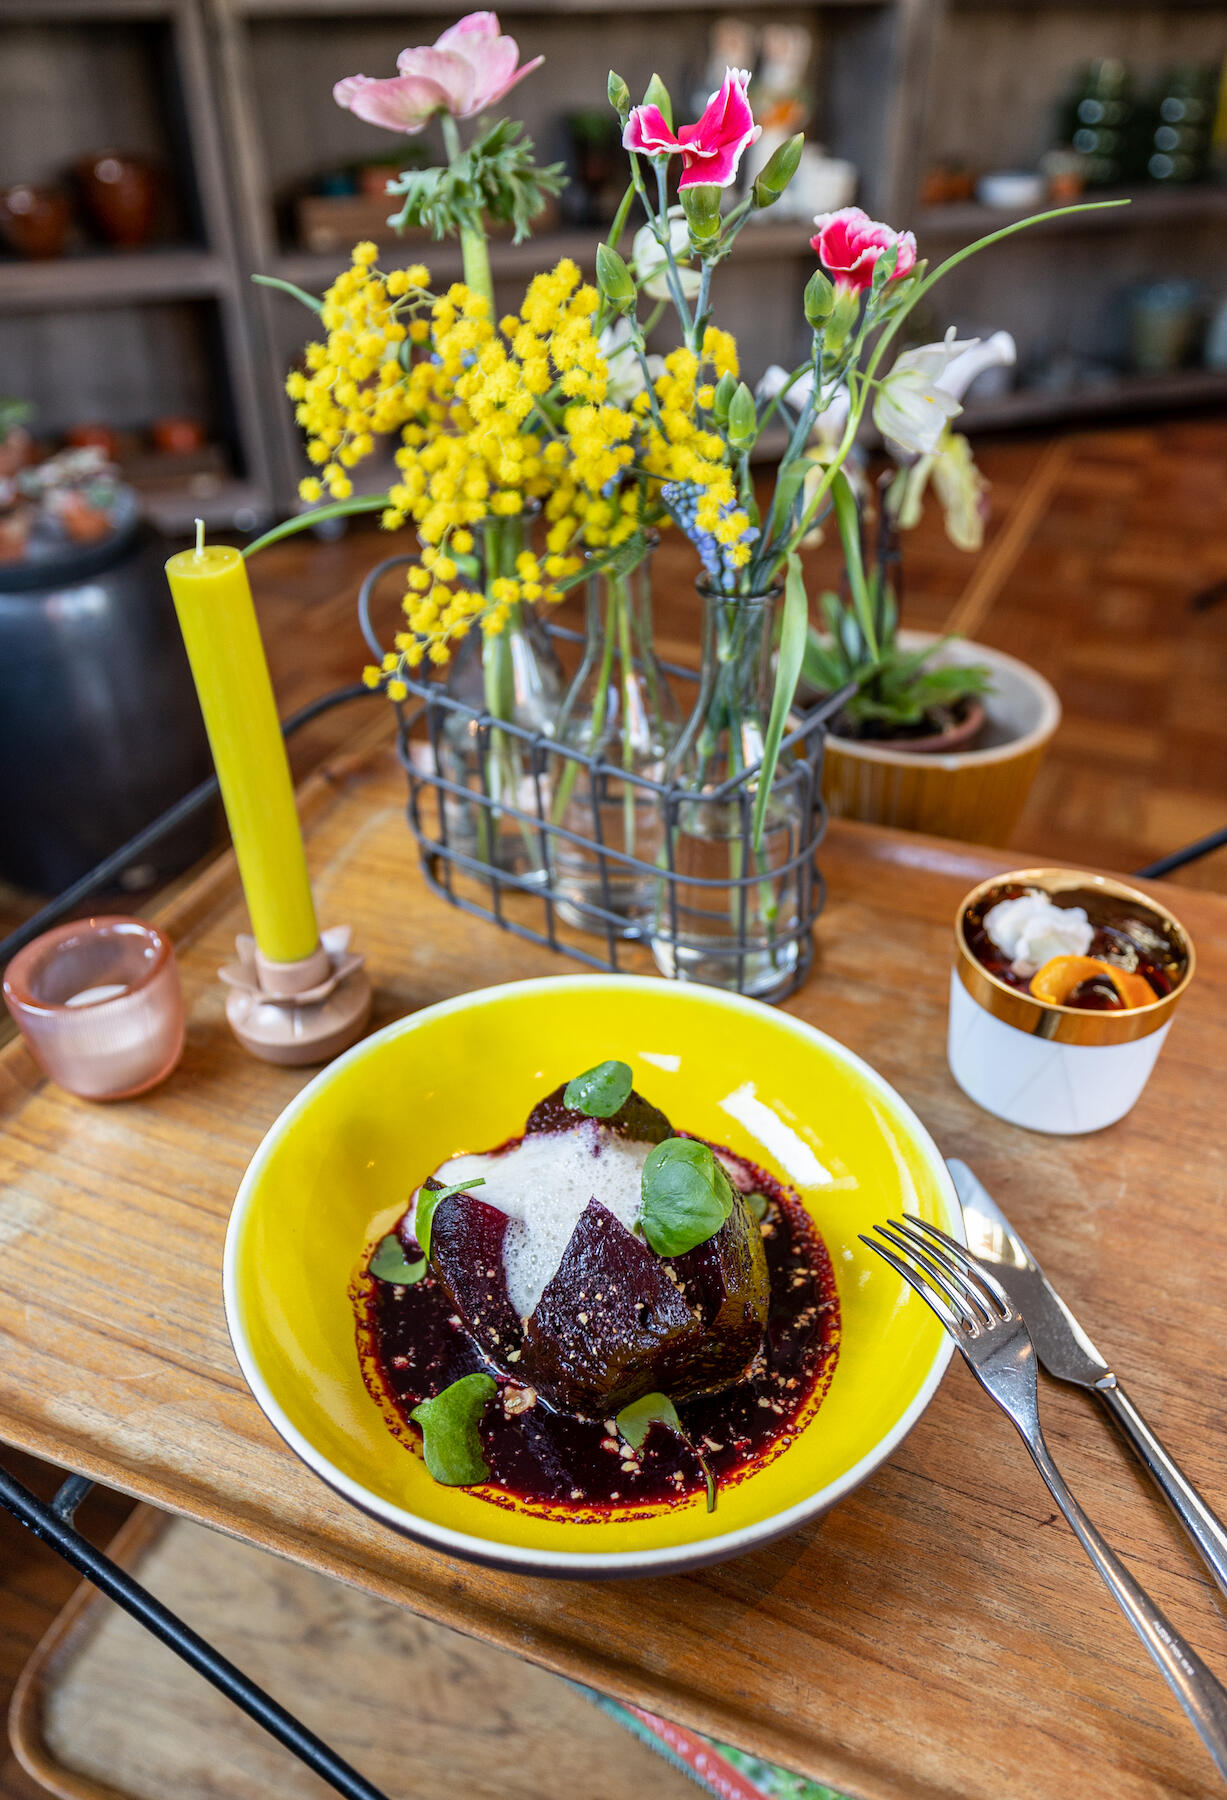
(1067, 1353)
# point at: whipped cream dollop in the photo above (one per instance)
(1032, 929)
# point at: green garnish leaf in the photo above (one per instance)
(451, 1442)
(389, 1263)
(636, 1420)
(428, 1200)
(600, 1092)
(686, 1196)
(758, 1204)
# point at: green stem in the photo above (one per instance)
(474, 250)
(621, 606)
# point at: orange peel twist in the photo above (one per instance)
(1060, 975)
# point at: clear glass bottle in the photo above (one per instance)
(513, 676)
(619, 709)
(730, 915)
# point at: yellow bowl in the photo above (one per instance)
(338, 1166)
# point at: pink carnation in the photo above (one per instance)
(712, 148)
(849, 243)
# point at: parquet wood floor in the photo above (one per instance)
(1100, 596)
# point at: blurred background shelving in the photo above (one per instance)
(231, 101)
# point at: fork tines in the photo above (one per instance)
(966, 1296)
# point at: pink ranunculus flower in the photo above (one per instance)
(849, 243)
(466, 70)
(710, 149)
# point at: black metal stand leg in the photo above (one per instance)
(53, 1524)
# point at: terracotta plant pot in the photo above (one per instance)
(976, 794)
(121, 196)
(34, 220)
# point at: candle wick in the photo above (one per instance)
(200, 544)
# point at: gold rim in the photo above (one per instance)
(1070, 1024)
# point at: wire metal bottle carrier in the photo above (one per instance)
(690, 908)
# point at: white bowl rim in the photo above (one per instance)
(522, 1559)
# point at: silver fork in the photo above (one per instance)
(977, 1312)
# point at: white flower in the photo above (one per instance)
(996, 352)
(924, 390)
(648, 259)
(911, 410)
(829, 424)
(626, 377)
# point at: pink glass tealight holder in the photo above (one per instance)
(99, 1004)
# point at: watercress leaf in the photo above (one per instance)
(428, 1200)
(686, 1196)
(600, 1092)
(758, 1204)
(451, 1442)
(636, 1420)
(389, 1263)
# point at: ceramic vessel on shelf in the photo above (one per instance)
(1069, 1045)
(620, 711)
(34, 220)
(732, 914)
(120, 194)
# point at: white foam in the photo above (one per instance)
(543, 1184)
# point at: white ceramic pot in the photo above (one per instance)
(1053, 1068)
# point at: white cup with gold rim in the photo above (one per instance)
(1054, 1068)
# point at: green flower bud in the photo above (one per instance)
(613, 279)
(819, 298)
(701, 205)
(619, 94)
(657, 94)
(726, 387)
(743, 418)
(781, 166)
(843, 317)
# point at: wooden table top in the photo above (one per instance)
(940, 1633)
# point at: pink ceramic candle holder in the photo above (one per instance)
(99, 1004)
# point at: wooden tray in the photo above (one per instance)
(938, 1634)
(102, 1711)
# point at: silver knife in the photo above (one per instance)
(1068, 1353)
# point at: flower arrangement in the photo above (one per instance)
(562, 406)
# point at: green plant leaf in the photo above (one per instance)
(686, 1196)
(389, 1263)
(636, 1420)
(848, 518)
(428, 1202)
(757, 1204)
(600, 1092)
(787, 674)
(451, 1441)
(291, 288)
(788, 484)
(319, 515)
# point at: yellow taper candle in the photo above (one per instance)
(218, 619)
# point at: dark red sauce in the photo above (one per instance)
(412, 1345)
(1131, 944)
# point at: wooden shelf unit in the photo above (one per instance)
(70, 300)
(898, 85)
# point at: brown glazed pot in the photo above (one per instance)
(34, 220)
(975, 794)
(120, 194)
